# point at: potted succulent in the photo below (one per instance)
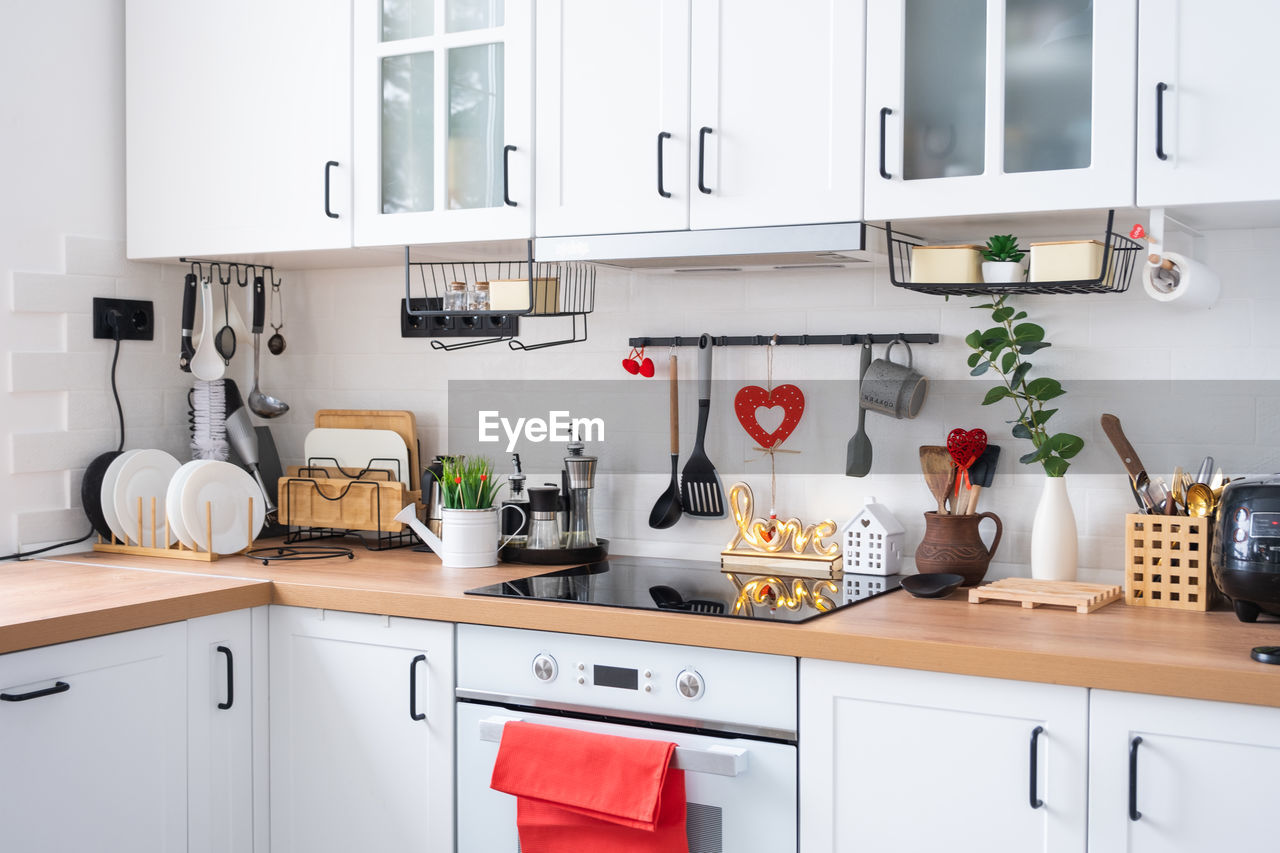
(1002, 260)
(1003, 349)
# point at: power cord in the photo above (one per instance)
(113, 319)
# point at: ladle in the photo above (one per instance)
(262, 405)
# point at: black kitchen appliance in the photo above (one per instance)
(685, 586)
(1246, 545)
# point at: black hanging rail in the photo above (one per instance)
(786, 340)
(241, 273)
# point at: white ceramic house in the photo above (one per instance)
(872, 541)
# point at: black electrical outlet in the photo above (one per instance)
(134, 319)
(441, 325)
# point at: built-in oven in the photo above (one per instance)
(732, 716)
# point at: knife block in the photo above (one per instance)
(1166, 562)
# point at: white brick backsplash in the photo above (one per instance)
(36, 292)
(48, 371)
(59, 451)
(51, 525)
(99, 257)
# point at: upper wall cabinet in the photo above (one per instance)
(443, 121)
(1206, 102)
(998, 106)
(662, 116)
(234, 112)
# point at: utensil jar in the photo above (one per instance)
(952, 544)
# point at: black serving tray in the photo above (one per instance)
(516, 553)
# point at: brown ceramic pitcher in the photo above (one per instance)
(952, 544)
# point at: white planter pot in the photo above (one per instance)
(1002, 272)
(1053, 534)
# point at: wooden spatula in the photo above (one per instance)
(939, 473)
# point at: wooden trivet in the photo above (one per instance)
(1084, 597)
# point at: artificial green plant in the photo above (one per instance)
(467, 482)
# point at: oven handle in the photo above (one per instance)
(716, 760)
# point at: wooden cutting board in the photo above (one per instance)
(400, 422)
(1084, 597)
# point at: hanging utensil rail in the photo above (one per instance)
(235, 271)
(787, 340)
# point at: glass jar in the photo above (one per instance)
(478, 297)
(455, 297)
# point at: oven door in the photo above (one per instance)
(743, 801)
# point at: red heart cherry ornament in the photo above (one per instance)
(965, 446)
(751, 398)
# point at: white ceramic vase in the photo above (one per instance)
(1002, 272)
(1053, 534)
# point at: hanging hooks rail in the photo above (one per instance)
(787, 340)
(237, 271)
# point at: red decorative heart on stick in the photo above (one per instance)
(965, 446)
(752, 398)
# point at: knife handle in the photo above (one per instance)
(704, 367)
(1129, 456)
(259, 304)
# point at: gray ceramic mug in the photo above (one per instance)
(894, 389)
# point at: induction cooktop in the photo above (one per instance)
(696, 587)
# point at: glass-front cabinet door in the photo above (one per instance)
(998, 106)
(443, 108)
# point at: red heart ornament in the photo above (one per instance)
(630, 365)
(752, 397)
(966, 446)
(646, 367)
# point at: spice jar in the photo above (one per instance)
(478, 298)
(455, 297)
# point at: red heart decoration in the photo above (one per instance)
(646, 367)
(752, 397)
(630, 365)
(966, 446)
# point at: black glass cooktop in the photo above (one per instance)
(686, 586)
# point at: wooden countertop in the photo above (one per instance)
(44, 602)
(1145, 650)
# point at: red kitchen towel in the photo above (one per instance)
(580, 792)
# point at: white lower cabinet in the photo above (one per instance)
(93, 740)
(895, 759)
(361, 732)
(1174, 775)
(226, 716)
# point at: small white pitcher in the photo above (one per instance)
(468, 537)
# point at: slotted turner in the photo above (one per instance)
(700, 489)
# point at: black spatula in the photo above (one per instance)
(701, 492)
(981, 473)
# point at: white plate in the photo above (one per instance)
(173, 501)
(221, 492)
(357, 449)
(108, 495)
(146, 475)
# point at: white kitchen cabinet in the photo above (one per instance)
(1206, 90)
(999, 106)
(227, 714)
(238, 126)
(702, 114)
(1198, 775)
(878, 745)
(93, 738)
(443, 105)
(361, 732)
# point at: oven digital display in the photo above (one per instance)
(1265, 525)
(612, 676)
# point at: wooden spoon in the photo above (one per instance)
(939, 473)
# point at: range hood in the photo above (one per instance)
(836, 244)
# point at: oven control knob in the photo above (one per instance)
(545, 668)
(690, 684)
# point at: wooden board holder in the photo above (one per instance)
(342, 502)
(1084, 597)
(177, 550)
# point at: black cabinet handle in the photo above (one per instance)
(885, 112)
(231, 680)
(328, 167)
(1160, 89)
(1134, 814)
(58, 687)
(662, 192)
(1035, 801)
(702, 159)
(506, 174)
(413, 688)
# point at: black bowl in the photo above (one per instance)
(933, 585)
